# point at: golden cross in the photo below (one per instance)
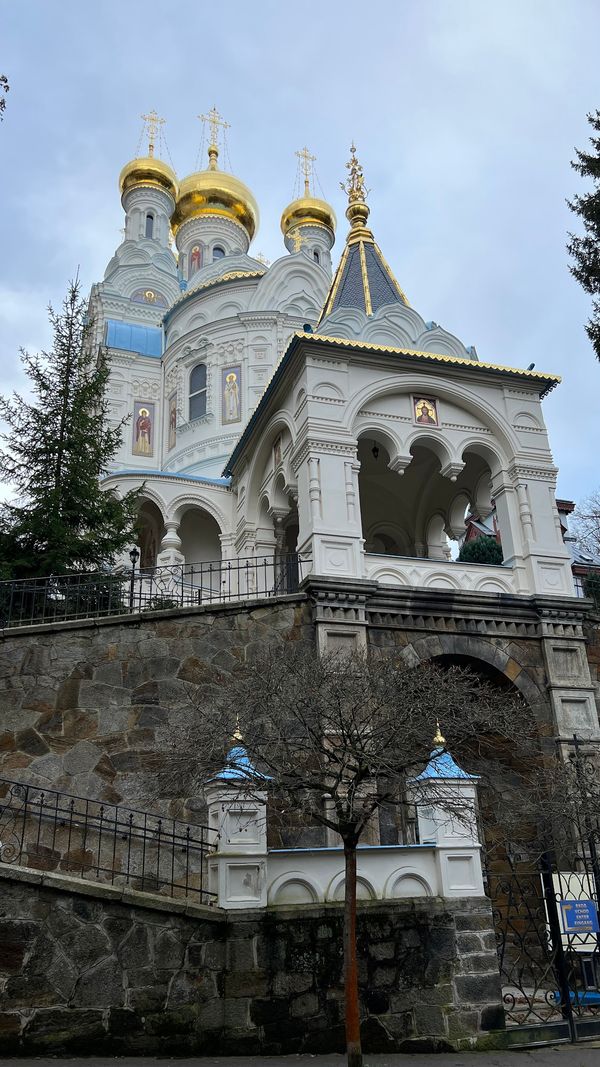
(306, 166)
(153, 124)
(214, 121)
(297, 239)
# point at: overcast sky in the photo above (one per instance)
(465, 114)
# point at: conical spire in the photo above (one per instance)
(363, 279)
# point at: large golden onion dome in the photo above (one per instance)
(148, 171)
(307, 211)
(215, 192)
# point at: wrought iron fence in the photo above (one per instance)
(60, 598)
(546, 914)
(54, 831)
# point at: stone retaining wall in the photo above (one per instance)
(92, 707)
(100, 970)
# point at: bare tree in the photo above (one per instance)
(4, 88)
(338, 738)
(586, 523)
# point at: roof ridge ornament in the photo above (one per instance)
(357, 211)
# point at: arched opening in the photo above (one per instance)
(199, 535)
(149, 232)
(419, 513)
(218, 252)
(316, 255)
(201, 548)
(151, 531)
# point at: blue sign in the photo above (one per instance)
(579, 917)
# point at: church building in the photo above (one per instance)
(305, 410)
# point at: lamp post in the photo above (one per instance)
(134, 555)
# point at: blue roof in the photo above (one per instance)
(442, 765)
(226, 482)
(239, 767)
(145, 340)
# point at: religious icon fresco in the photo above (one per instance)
(195, 259)
(172, 434)
(425, 411)
(143, 429)
(230, 388)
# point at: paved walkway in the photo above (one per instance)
(586, 1054)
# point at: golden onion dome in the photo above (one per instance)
(307, 211)
(148, 171)
(215, 192)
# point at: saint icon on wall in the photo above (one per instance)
(172, 434)
(425, 411)
(195, 259)
(231, 377)
(143, 429)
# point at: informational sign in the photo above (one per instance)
(579, 917)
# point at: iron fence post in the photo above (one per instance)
(561, 971)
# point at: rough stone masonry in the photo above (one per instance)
(86, 968)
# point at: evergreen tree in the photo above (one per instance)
(585, 249)
(57, 446)
(483, 549)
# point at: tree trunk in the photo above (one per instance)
(353, 1049)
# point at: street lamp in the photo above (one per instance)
(134, 555)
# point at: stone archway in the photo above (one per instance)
(477, 649)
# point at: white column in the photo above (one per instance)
(329, 509)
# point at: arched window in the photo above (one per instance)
(149, 224)
(316, 256)
(218, 252)
(198, 391)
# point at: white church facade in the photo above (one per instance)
(289, 408)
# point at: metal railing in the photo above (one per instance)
(60, 598)
(107, 843)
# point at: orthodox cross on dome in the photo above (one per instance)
(214, 121)
(306, 167)
(153, 125)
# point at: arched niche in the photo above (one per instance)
(151, 530)
(364, 888)
(199, 535)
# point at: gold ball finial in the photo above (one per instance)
(439, 740)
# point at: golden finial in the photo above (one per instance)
(439, 739)
(237, 733)
(297, 239)
(306, 167)
(357, 211)
(260, 256)
(215, 121)
(153, 125)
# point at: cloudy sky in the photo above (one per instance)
(465, 114)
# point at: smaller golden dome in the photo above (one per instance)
(148, 171)
(307, 211)
(215, 192)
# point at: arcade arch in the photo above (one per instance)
(151, 529)
(419, 513)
